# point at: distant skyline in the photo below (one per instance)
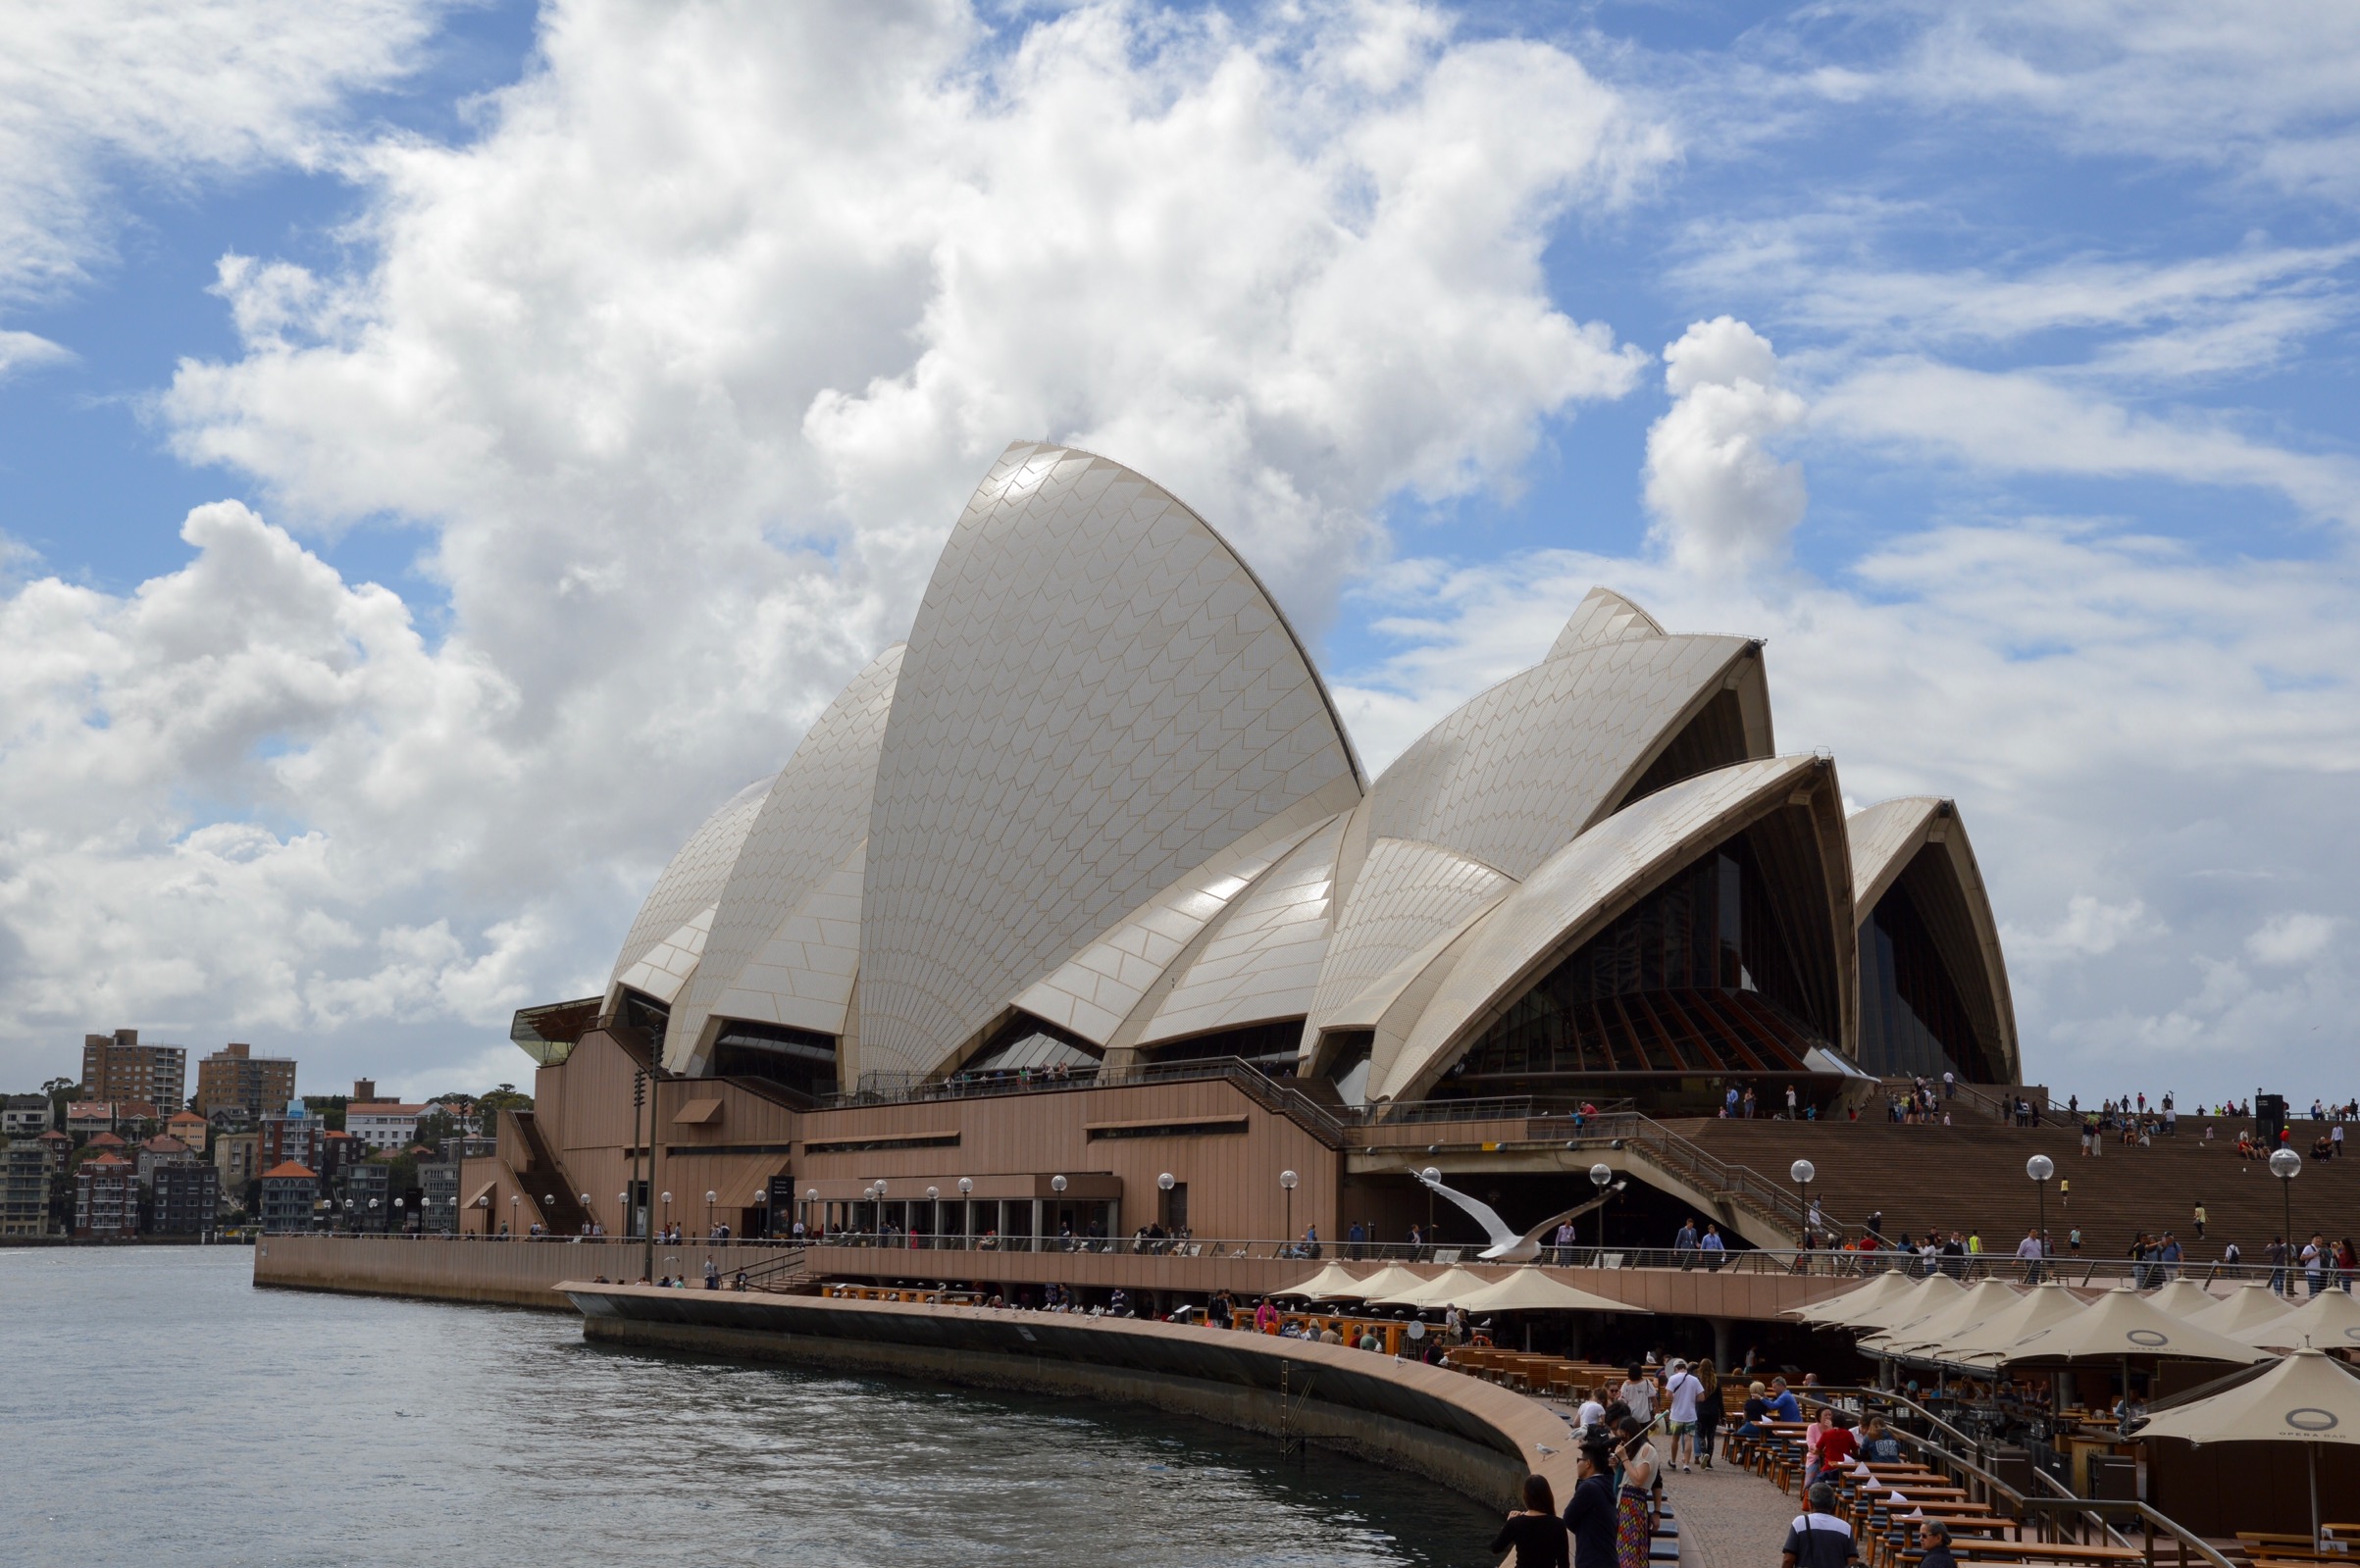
(447, 449)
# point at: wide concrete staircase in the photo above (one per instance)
(1971, 1177)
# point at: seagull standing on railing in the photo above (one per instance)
(1506, 1245)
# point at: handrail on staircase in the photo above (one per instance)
(2063, 1505)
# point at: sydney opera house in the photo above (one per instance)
(1081, 896)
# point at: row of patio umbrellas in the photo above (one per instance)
(2304, 1396)
(1992, 1324)
(1528, 1289)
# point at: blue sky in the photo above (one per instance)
(640, 359)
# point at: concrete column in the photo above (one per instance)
(1721, 1328)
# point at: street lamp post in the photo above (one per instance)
(1164, 1184)
(1288, 1181)
(667, 1217)
(623, 1207)
(934, 1230)
(2040, 1168)
(516, 1212)
(2286, 1165)
(710, 1199)
(1803, 1171)
(1602, 1176)
(966, 1204)
(1056, 1185)
(812, 1227)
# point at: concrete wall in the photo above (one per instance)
(1475, 1438)
(520, 1273)
(498, 1273)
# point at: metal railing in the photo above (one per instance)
(915, 1089)
(2053, 1511)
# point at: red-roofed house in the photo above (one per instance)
(106, 1142)
(289, 1193)
(84, 1117)
(190, 1128)
(106, 1198)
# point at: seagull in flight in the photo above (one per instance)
(1506, 1245)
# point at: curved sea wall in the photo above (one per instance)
(1471, 1435)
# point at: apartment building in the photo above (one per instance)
(117, 1067)
(235, 1077)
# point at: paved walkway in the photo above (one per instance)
(1729, 1519)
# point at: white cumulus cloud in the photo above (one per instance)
(1719, 496)
(681, 368)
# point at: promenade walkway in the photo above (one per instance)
(1729, 1519)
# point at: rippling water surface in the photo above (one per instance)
(154, 1401)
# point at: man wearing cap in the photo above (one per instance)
(1817, 1538)
(1681, 1390)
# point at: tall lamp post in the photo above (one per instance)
(2286, 1165)
(1056, 1185)
(1289, 1180)
(2040, 1168)
(966, 1206)
(1164, 1184)
(587, 1215)
(934, 1230)
(710, 1199)
(516, 1212)
(623, 1207)
(815, 1223)
(667, 1217)
(1803, 1171)
(1602, 1176)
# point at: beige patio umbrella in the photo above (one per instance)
(1926, 1297)
(2244, 1307)
(1452, 1284)
(1984, 1300)
(1335, 1282)
(2308, 1397)
(2184, 1298)
(1532, 1290)
(2043, 1306)
(2328, 1321)
(1390, 1280)
(2124, 1325)
(1836, 1310)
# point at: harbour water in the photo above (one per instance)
(155, 1403)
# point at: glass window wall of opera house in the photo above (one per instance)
(1096, 828)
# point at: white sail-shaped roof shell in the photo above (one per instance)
(1886, 839)
(1099, 697)
(691, 882)
(1588, 882)
(785, 941)
(1490, 793)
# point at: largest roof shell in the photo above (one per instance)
(1098, 697)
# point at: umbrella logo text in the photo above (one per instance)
(2309, 1418)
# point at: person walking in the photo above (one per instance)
(1535, 1531)
(1710, 1413)
(1683, 1243)
(2029, 1251)
(2200, 1216)
(1790, 1102)
(1681, 1390)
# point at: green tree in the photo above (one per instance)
(504, 1098)
(61, 1092)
